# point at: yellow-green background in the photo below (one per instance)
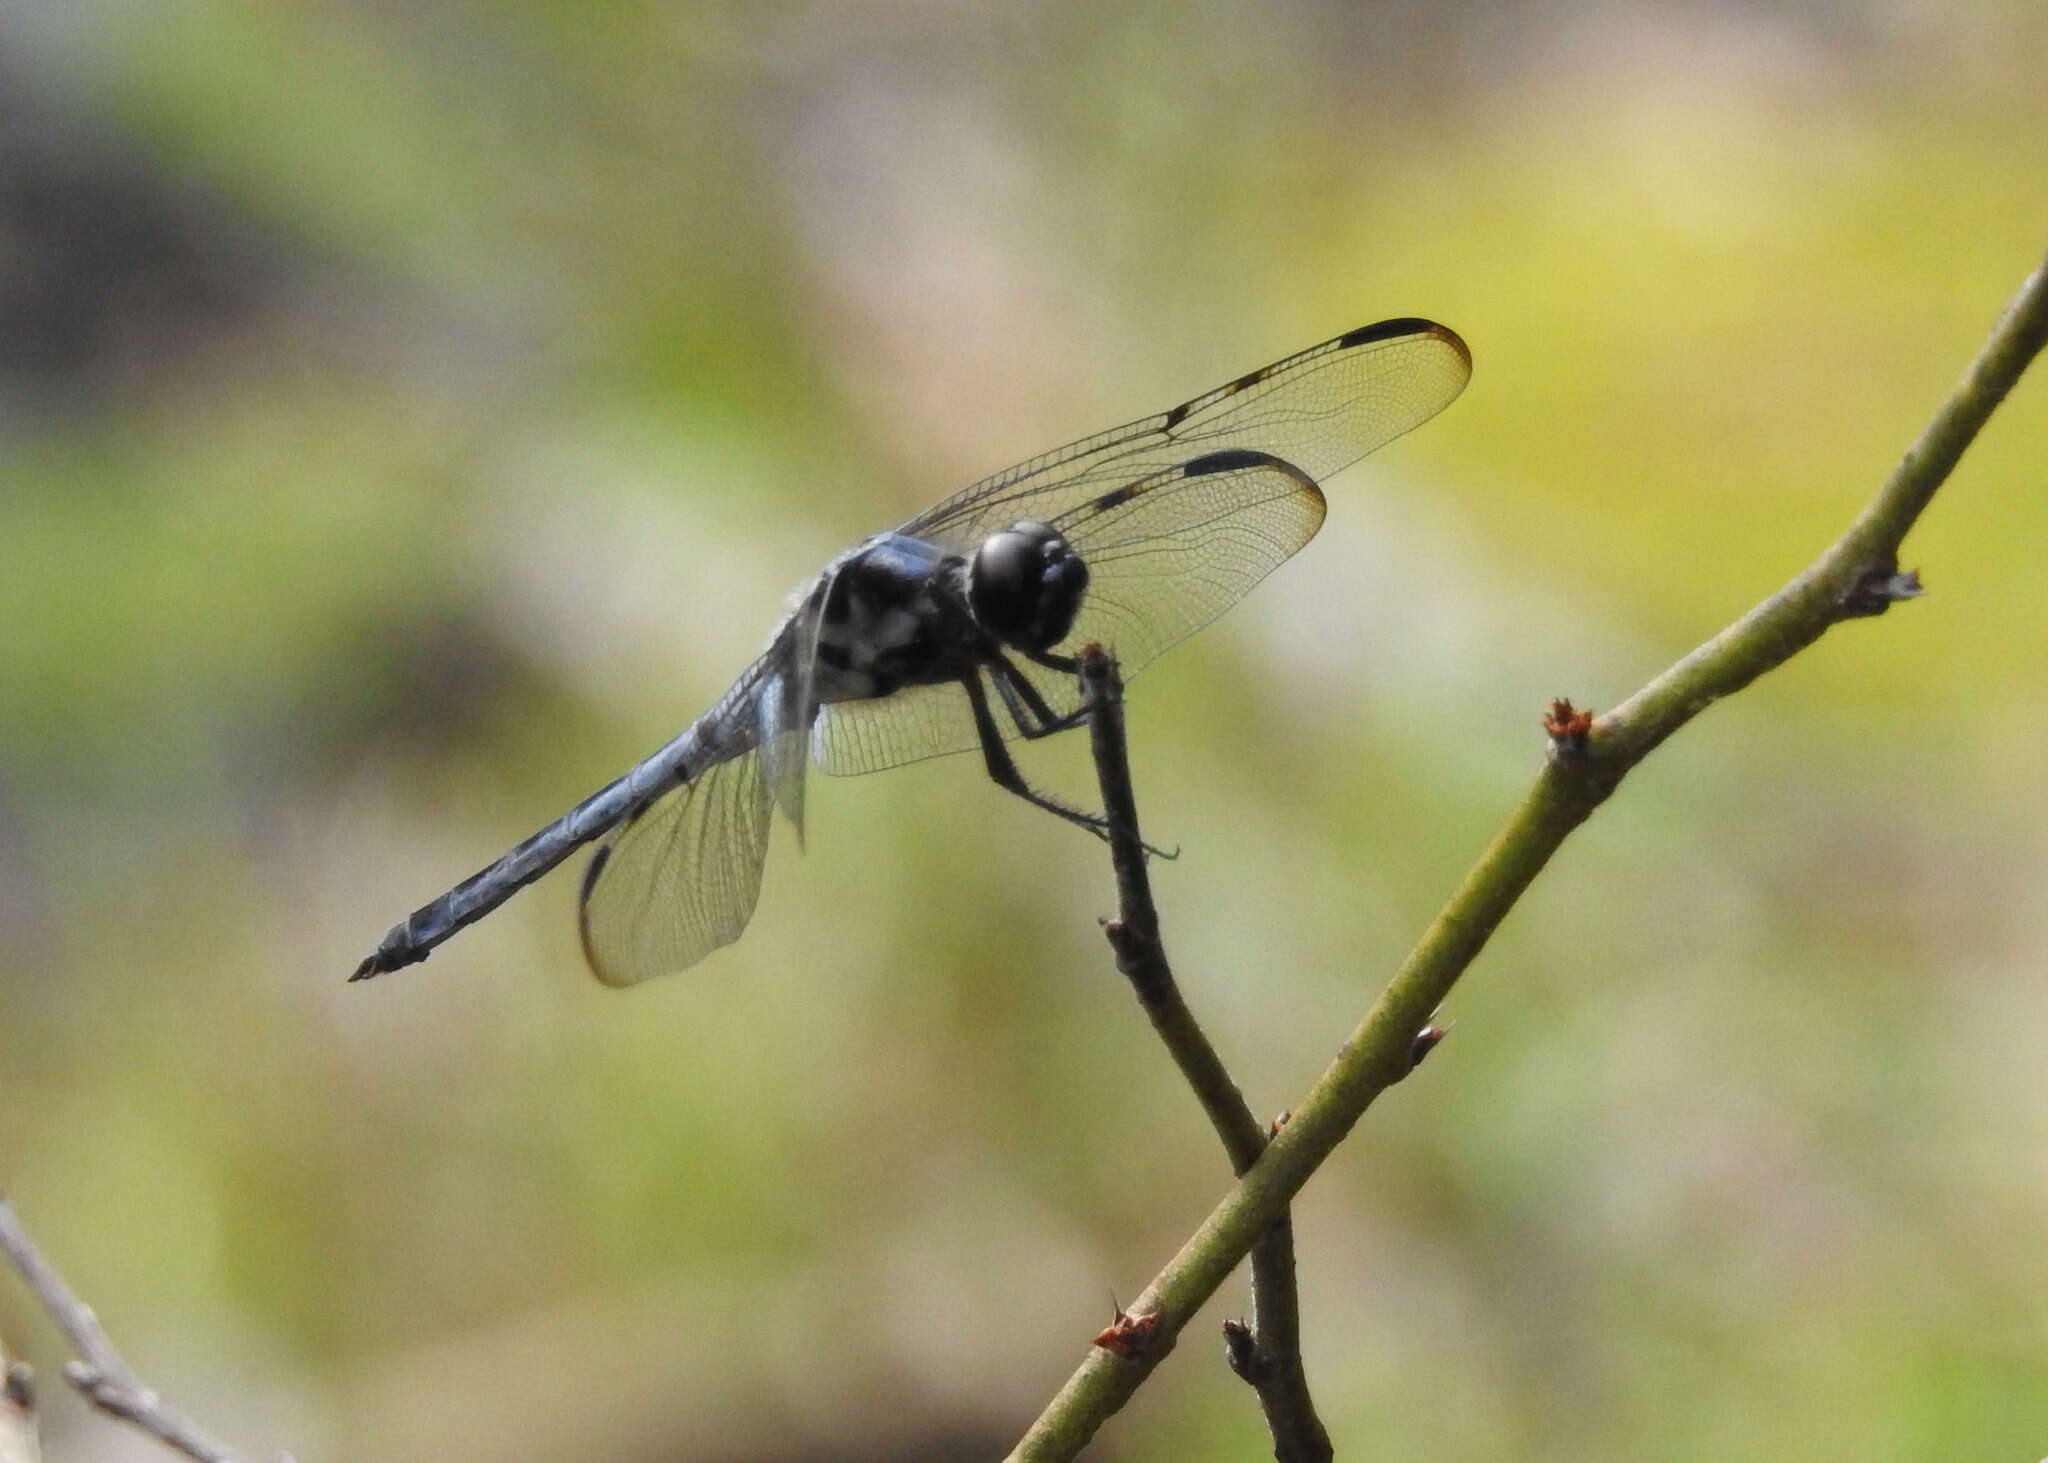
(518, 359)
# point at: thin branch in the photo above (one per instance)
(1858, 575)
(19, 1439)
(1134, 935)
(98, 1370)
(1267, 1353)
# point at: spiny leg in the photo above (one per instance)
(1070, 664)
(1002, 768)
(1034, 719)
(1028, 710)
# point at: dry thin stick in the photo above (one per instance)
(1267, 1353)
(19, 1440)
(98, 1370)
(1858, 575)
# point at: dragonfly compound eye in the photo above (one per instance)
(1026, 584)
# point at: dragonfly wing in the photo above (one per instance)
(1176, 515)
(1321, 409)
(679, 877)
(912, 724)
(1178, 548)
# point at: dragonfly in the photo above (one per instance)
(959, 630)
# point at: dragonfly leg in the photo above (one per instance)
(1027, 708)
(1024, 704)
(1071, 664)
(1002, 768)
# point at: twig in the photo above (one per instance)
(1267, 1353)
(98, 1371)
(1134, 934)
(19, 1441)
(1857, 575)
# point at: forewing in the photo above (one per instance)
(680, 878)
(1321, 410)
(1179, 548)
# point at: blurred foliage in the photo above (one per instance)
(410, 415)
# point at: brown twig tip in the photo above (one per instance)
(1096, 663)
(1128, 1335)
(1566, 723)
(1241, 1350)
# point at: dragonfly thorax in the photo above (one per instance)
(1025, 585)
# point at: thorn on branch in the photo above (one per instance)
(1273, 1128)
(1879, 589)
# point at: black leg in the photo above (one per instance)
(1030, 725)
(1002, 768)
(1070, 664)
(1027, 707)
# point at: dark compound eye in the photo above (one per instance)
(1025, 585)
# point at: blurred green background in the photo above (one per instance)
(410, 416)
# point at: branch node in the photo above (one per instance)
(1129, 1336)
(1567, 728)
(1571, 751)
(1241, 1350)
(1880, 587)
(1134, 952)
(1425, 1042)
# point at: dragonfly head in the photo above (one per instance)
(1025, 585)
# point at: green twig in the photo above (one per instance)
(1858, 575)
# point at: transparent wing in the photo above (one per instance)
(1321, 409)
(680, 877)
(1176, 515)
(912, 724)
(1178, 548)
